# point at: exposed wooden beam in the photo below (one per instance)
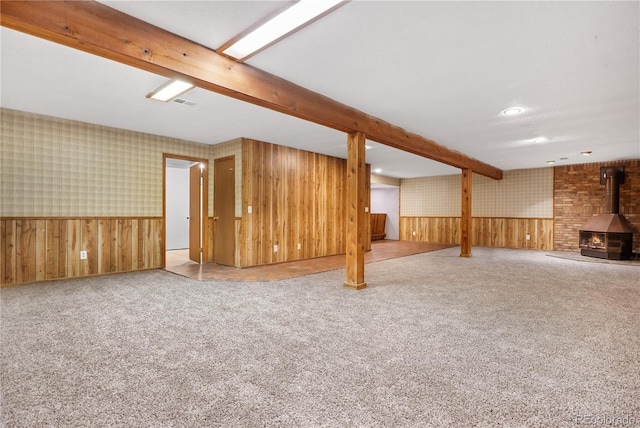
(100, 30)
(357, 197)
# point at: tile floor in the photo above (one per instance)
(178, 262)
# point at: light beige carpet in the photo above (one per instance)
(576, 256)
(506, 338)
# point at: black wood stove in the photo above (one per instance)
(608, 235)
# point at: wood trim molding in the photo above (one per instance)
(166, 156)
(100, 30)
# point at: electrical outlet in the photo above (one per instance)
(275, 248)
(528, 237)
(249, 209)
(83, 255)
(414, 233)
(299, 246)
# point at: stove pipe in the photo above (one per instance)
(612, 191)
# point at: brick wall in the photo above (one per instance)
(578, 196)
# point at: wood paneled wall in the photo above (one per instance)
(486, 231)
(39, 249)
(430, 229)
(296, 198)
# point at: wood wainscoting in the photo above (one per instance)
(500, 232)
(41, 249)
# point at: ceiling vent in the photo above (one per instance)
(184, 102)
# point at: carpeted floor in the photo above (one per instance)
(507, 338)
(576, 256)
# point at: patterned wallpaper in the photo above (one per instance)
(431, 196)
(57, 167)
(525, 193)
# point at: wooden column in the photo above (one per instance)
(465, 220)
(356, 215)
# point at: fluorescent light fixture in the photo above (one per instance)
(377, 170)
(170, 90)
(512, 111)
(279, 26)
(551, 162)
(586, 153)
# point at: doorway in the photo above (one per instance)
(185, 209)
(386, 199)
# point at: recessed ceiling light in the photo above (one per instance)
(279, 26)
(586, 153)
(564, 158)
(512, 111)
(551, 162)
(170, 90)
(377, 170)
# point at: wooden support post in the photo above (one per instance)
(465, 221)
(356, 215)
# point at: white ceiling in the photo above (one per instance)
(444, 70)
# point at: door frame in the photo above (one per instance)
(205, 203)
